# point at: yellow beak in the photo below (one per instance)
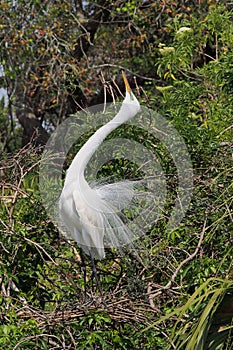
(126, 82)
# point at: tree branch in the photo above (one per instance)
(159, 290)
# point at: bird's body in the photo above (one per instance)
(91, 214)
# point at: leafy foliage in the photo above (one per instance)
(180, 295)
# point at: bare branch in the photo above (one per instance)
(159, 289)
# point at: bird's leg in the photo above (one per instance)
(97, 279)
(94, 271)
(84, 270)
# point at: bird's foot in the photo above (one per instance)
(97, 301)
(103, 303)
(88, 302)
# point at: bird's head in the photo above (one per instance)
(130, 106)
(129, 96)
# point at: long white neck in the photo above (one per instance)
(80, 161)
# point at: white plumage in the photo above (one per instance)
(91, 215)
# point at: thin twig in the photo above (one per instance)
(152, 294)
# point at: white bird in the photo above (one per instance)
(92, 214)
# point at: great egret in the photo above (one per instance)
(92, 214)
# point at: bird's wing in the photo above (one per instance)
(69, 216)
(90, 229)
(119, 195)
